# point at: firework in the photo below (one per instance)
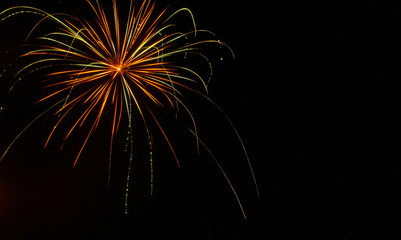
(125, 66)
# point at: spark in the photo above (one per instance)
(126, 67)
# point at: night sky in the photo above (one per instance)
(314, 92)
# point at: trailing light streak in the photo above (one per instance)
(131, 142)
(114, 65)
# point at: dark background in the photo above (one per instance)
(314, 92)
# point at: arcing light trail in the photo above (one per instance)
(124, 66)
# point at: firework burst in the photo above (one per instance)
(123, 66)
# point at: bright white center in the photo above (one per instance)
(118, 68)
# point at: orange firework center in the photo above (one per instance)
(119, 68)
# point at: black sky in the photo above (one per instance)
(314, 92)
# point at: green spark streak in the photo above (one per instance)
(129, 138)
(150, 161)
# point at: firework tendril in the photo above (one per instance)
(123, 66)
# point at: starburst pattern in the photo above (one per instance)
(122, 66)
